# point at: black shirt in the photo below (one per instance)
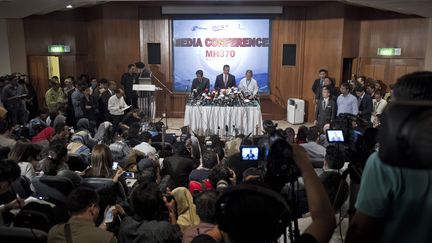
(128, 80)
(129, 119)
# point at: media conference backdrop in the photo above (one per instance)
(209, 44)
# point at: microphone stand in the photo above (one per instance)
(165, 105)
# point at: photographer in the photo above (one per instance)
(394, 203)
(145, 223)
(252, 213)
(82, 205)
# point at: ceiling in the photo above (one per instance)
(24, 8)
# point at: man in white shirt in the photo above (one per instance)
(145, 147)
(378, 104)
(116, 105)
(249, 85)
(346, 102)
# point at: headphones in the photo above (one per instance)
(237, 193)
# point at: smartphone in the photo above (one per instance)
(115, 165)
(335, 136)
(128, 174)
(250, 152)
(109, 217)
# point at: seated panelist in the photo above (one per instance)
(248, 85)
(200, 83)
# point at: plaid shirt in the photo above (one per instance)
(120, 151)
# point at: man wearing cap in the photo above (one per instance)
(54, 97)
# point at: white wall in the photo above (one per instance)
(5, 67)
(13, 57)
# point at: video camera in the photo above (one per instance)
(405, 136)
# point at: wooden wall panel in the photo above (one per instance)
(120, 39)
(65, 28)
(389, 70)
(38, 71)
(285, 81)
(323, 48)
(158, 31)
(406, 33)
(351, 32)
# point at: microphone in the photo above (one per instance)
(226, 130)
(187, 87)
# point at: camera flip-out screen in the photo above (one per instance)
(335, 136)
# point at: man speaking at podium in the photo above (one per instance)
(200, 83)
(225, 80)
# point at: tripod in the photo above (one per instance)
(165, 114)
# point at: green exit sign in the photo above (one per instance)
(389, 51)
(58, 49)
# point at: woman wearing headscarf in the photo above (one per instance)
(186, 210)
(105, 133)
(83, 130)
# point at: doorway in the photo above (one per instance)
(53, 66)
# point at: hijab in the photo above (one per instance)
(186, 210)
(83, 124)
(102, 129)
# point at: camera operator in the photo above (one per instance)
(251, 214)
(394, 203)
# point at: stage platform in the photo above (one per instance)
(174, 124)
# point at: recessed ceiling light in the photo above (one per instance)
(69, 6)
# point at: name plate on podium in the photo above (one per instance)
(144, 87)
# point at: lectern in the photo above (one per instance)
(146, 100)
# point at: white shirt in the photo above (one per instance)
(250, 86)
(145, 148)
(378, 107)
(114, 105)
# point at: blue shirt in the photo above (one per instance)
(401, 197)
(347, 104)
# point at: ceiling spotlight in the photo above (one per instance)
(69, 6)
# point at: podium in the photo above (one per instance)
(146, 100)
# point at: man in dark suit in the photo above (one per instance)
(127, 81)
(365, 103)
(178, 166)
(103, 100)
(325, 109)
(225, 80)
(200, 83)
(319, 83)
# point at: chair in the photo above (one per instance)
(22, 187)
(18, 235)
(105, 185)
(56, 188)
(76, 162)
(110, 193)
